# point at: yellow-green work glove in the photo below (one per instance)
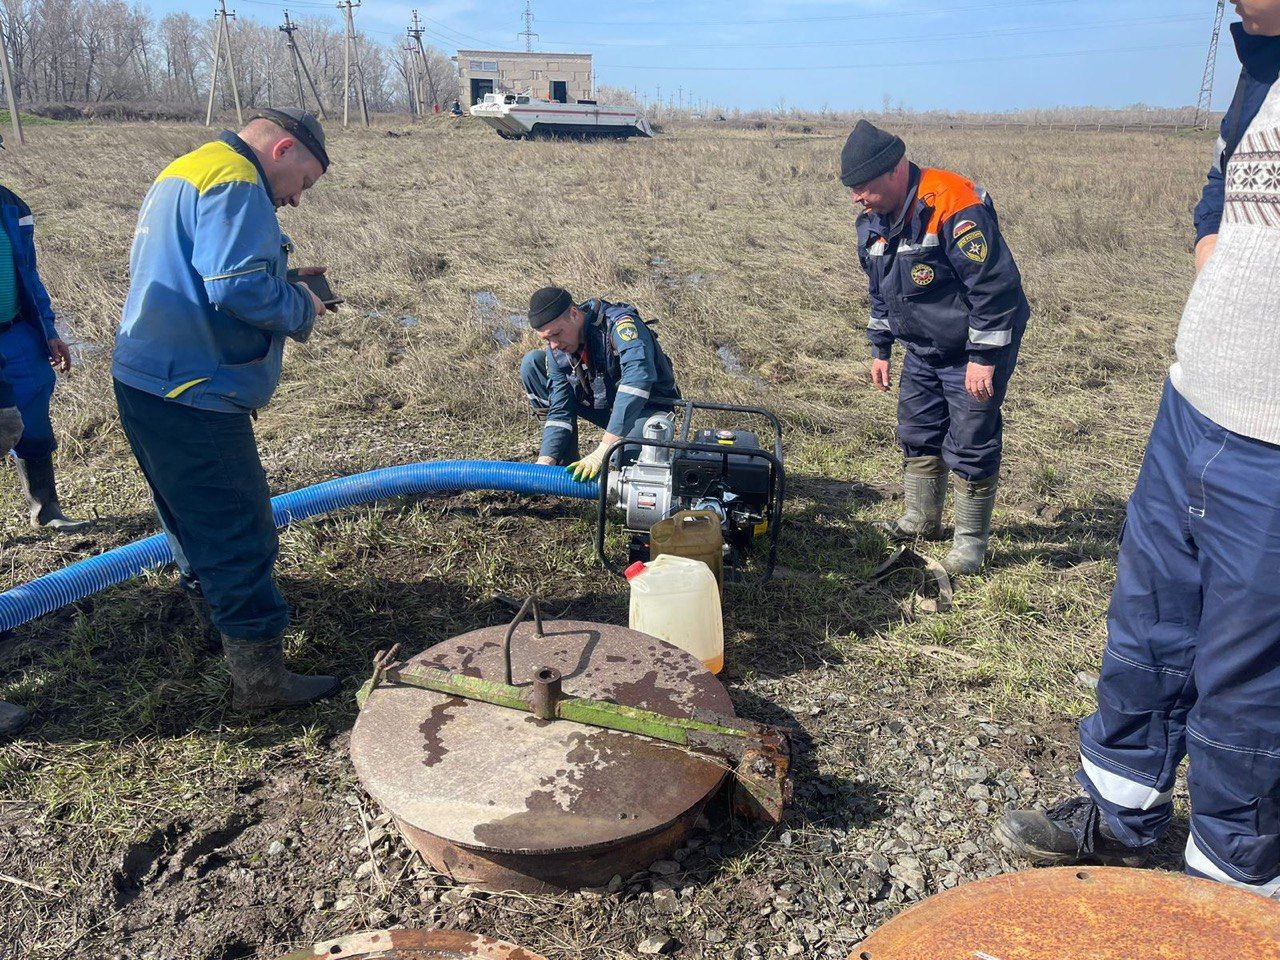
(588, 468)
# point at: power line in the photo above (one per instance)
(904, 63)
(1017, 31)
(887, 14)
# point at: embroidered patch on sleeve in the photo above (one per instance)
(974, 246)
(626, 330)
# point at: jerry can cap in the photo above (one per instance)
(634, 570)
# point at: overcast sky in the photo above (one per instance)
(845, 54)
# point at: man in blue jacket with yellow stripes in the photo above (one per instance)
(199, 351)
(602, 363)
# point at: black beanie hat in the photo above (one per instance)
(547, 305)
(868, 153)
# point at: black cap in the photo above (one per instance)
(548, 304)
(300, 125)
(868, 153)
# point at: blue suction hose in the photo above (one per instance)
(77, 581)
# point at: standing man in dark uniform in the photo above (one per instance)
(199, 351)
(601, 363)
(945, 285)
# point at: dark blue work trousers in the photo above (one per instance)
(938, 417)
(1192, 662)
(211, 494)
(25, 353)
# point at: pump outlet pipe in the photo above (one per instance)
(77, 581)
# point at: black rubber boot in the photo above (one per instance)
(975, 501)
(1072, 832)
(211, 638)
(12, 719)
(41, 491)
(924, 488)
(260, 681)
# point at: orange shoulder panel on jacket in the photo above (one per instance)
(948, 193)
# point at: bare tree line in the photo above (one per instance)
(108, 51)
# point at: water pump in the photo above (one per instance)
(673, 467)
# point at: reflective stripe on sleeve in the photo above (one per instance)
(27, 221)
(260, 268)
(634, 391)
(1122, 791)
(878, 323)
(990, 338)
(877, 249)
(930, 241)
(559, 425)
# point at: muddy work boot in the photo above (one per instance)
(924, 486)
(41, 492)
(1072, 832)
(12, 719)
(975, 499)
(260, 682)
(211, 638)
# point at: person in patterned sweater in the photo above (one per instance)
(1192, 663)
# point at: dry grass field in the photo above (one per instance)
(156, 824)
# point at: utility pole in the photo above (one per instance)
(9, 92)
(223, 34)
(287, 30)
(347, 6)
(1204, 105)
(299, 61)
(528, 33)
(416, 32)
(410, 53)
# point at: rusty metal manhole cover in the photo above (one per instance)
(504, 800)
(1089, 913)
(415, 945)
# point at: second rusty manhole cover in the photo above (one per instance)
(1090, 913)
(498, 798)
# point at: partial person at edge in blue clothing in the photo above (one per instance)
(1191, 668)
(601, 363)
(12, 717)
(1259, 67)
(199, 351)
(31, 351)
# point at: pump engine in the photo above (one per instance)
(674, 467)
